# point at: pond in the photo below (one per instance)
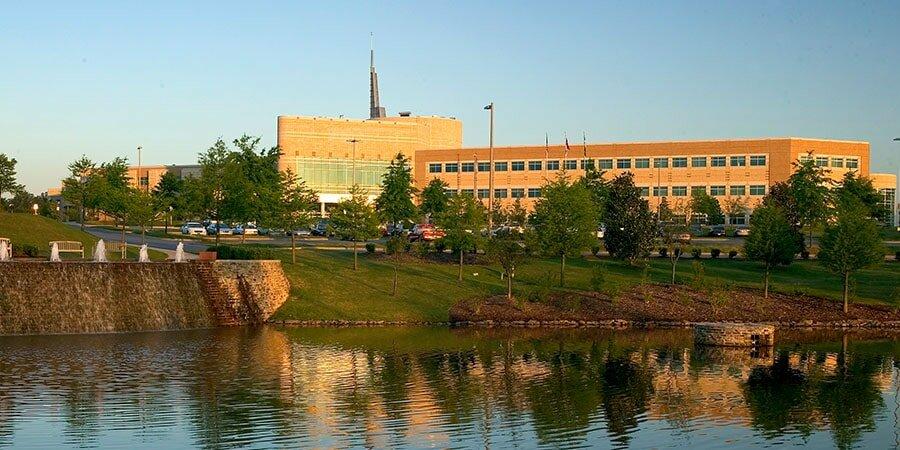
(438, 387)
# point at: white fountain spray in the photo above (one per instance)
(100, 251)
(4, 251)
(179, 252)
(54, 253)
(142, 255)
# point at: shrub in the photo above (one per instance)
(714, 253)
(698, 280)
(804, 254)
(541, 291)
(595, 249)
(440, 246)
(598, 278)
(421, 248)
(695, 252)
(27, 250)
(663, 252)
(732, 254)
(242, 252)
(370, 247)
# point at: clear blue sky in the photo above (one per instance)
(103, 78)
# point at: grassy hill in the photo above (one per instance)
(39, 231)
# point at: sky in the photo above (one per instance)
(101, 79)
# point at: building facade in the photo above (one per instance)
(737, 172)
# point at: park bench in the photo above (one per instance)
(8, 245)
(116, 247)
(69, 247)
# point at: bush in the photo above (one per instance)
(595, 249)
(695, 252)
(598, 278)
(663, 252)
(804, 254)
(714, 253)
(541, 291)
(370, 247)
(242, 252)
(421, 248)
(732, 254)
(698, 280)
(440, 246)
(26, 250)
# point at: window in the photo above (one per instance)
(698, 190)
(738, 190)
(449, 192)
(837, 162)
(758, 160)
(534, 192)
(483, 193)
(535, 165)
(645, 191)
(679, 162)
(571, 164)
(660, 191)
(605, 163)
(852, 163)
(484, 167)
(623, 163)
(821, 161)
(661, 162)
(553, 165)
(501, 166)
(468, 192)
(468, 167)
(679, 191)
(451, 167)
(587, 164)
(518, 193)
(805, 158)
(758, 189)
(518, 166)
(738, 220)
(434, 168)
(698, 161)
(738, 161)
(641, 163)
(717, 161)
(500, 193)
(716, 191)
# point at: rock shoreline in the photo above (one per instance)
(607, 324)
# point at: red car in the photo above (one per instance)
(426, 232)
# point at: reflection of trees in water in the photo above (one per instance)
(848, 398)
(457, 393)
(779, 398)
(627, 387)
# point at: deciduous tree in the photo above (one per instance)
(630, 227)
(295, 209)
(772, 240)
(8, 183)
(462, 220)
(433, 198)
(354, 219)
(509, 253)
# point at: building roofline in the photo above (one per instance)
(576, 145)
(392, 119)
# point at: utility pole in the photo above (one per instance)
(490, 107)
(353, 160)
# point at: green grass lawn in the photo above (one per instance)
(39, 231)
(325, 286)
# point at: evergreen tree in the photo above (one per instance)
(593, 179)
(630, 227)
(433, 199)
(354, 219)
(565, 221)
(395, 202)
(8, 183)
(850, 243)
(772, 240)
(461, 220)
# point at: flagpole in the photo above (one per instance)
(491, 172)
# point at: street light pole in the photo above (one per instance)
(490, 107)
(353, 161)
(140, 186)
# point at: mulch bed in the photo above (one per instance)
(662, 304)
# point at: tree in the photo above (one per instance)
(219, 192)
(672, 242)
(772, 240)
(433, 198)
(113, 191)
(461, 220)
(256, 187)
(735, 206)
(630, 227)
(663, 211)
(81, 187)
(593, 179)
(707, 205)
(860, 188)
(565, 221)
(295, 209)
(395, 202)
(516, 214)
(509, 254)
(167, 196)
(780, 197)
(850, 243)
(142, 209)
(8, 183)
(394, 248)
(354, 219)
(808, 187)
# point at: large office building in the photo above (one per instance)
(738, 172)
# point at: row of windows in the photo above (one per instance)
(500, 193)
(603, 163)
(715, 191)
(832, 161)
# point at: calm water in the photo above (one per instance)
(419, 387)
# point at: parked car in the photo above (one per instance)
(742, 232)
(682, 238)
(320, 229)
(220, 229)
(299, 232)
(193, 228)
(717, 231)
(246, 230)
(426, 232)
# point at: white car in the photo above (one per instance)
(193, 228)
(247, 230)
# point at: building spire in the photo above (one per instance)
(376, 111)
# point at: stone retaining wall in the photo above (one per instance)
(734, 334)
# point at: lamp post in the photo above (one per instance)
(353, 160)
(34, 208)
(140, 186)
(490, 108)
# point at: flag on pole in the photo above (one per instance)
(584, 144)
(546, 146)
(567, 146)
